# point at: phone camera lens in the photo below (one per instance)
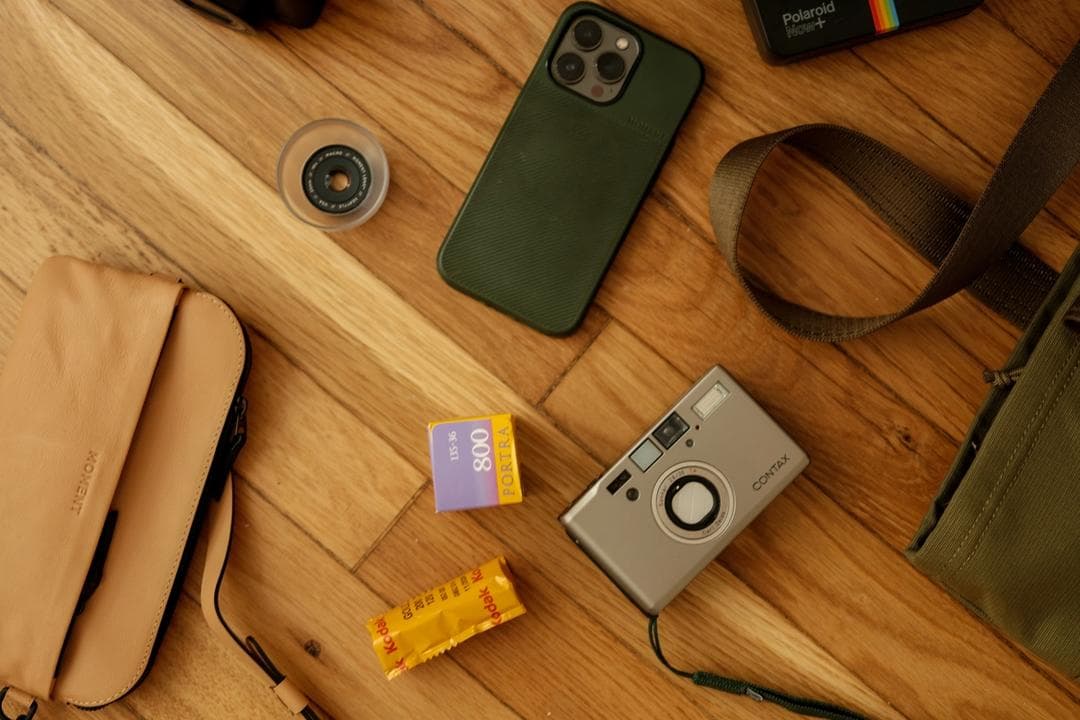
(611, 67)
(587, 34)
(570, 67)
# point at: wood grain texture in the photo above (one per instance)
(139, 135)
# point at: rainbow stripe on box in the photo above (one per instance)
(885, 17)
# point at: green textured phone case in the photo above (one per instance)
(563, 182)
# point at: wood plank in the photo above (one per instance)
(294, 284)
(1051, 28)
(800, 554)
(308, 613)
(244, 77)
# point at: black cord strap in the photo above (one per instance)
(792, 703)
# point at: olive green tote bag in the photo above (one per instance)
(1003, 534)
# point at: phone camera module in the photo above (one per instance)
(570, 68)
(611, 67)
(587, 34)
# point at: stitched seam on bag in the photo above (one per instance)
(1016, 476)
(1004, 469)
(191, 513)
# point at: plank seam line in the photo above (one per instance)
(1019, 35)
(577, 357)
(406, 507)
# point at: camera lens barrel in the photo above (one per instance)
(320, 175)
(693, 502)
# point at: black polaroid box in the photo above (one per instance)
(789, 30)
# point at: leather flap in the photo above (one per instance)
(71, 394)
(158, 502)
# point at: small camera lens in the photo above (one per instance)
(570, 68)
(611, 67)
(587, 34)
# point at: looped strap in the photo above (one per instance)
(970, 247)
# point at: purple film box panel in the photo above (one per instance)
(474, 463)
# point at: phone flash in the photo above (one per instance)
(622, 43)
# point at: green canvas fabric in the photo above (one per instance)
(1003, 534)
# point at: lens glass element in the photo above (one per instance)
(610, 67)
(587, 34)
(570, 68)
(692, 503)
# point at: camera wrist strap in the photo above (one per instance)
(792, 703)
(969, 247)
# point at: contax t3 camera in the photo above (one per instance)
(668, 507)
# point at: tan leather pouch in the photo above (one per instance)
(121, 411)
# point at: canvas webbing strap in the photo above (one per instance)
(970, 247)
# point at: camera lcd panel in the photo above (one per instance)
(646, 454)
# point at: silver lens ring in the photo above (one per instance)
(715, 520)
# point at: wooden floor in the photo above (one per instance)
(135, 133)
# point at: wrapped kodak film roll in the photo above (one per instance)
(433, 622)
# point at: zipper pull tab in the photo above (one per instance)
(239, 433)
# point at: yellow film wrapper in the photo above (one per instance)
(432, 623)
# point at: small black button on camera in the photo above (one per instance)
(632, 494)
(615, 485)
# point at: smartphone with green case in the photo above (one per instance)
(570, 168)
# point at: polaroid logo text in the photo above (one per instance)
(764, 479)
(807, 20)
